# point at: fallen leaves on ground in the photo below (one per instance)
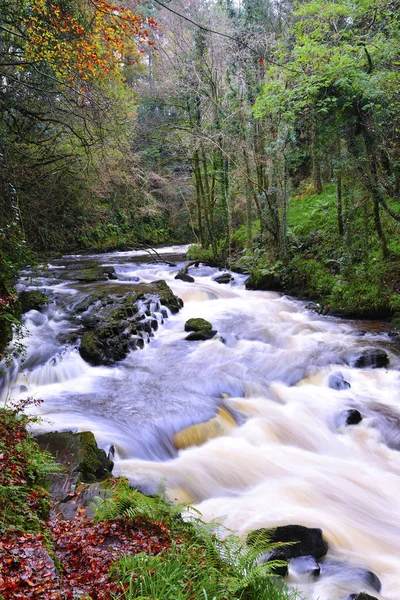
(83, 551)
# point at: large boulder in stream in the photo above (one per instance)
(198, 324)
(300, 540)
(32, 300)
(360, 596)
(200, 330)
(372, 358)
(266, 282)
(79, 453)
(115, 321)
(336, 381)
(394, 329)
(223, 278)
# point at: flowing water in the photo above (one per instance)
(245, 425)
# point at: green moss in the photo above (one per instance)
(197, 325)
(166, 295)
(32, 300)
(94, 466)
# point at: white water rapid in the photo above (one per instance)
(277, 449)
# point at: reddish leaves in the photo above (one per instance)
(85, 551)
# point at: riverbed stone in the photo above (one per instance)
(336, 381)
(281, 570)
(166, 296)
(32, 300)
(184, 277)
(266, 282)
(198, 324)
(394, 329)
(352, 416)
(79, 454)
(360, 596)
(224, 278)
(201, 336)
(302, 541)
(372, 358)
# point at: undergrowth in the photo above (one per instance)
(205, 560)
(342, 271)
(24, 501)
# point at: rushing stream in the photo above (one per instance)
(277, 449)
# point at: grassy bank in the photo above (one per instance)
(135, 547)
(346, 272)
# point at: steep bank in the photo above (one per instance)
(344, 272)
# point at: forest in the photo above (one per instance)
(267, 133)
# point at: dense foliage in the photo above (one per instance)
(126, 124)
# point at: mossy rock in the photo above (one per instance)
(197, 324)
(79, 454)
(265, 282)
(201, 336)
(373, 359)
(105, 345)
(91, 350)
(166, 295)
(90, 275)
(6, 333)
(394, 329)
(32, 300)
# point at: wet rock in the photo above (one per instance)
(184, 277)
(336, 381)
(304, 541)
(88, 275)
(374, 359)
(224, 278)
(32, 300)
(314, 306)
(104, 345)
(305, 565)
(281, 569)
(360, 596)
(110, 272)
(116, 320)
(352, 416)
(394, 329)
(166, 296)
(79, 454)
(269, 282)
(196, 336)
(198, 324)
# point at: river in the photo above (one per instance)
(276, 449)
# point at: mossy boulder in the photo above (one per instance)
(261, 281)
(223, 278)
(104, 345)
(201, 336)
(6, 332)
(32, 300)
(300, 540)
(197, 324)
(166, 296)
(394, 329)
(117, 321)
(200, 330)
(89, 275)
(373, 359)
(79, 454)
